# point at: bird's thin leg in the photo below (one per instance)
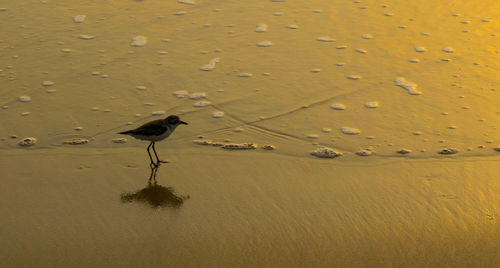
(158, 159)
(149, 153)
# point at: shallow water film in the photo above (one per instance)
(321, 133)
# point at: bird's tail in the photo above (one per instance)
(126, 132)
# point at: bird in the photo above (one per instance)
(154, 131)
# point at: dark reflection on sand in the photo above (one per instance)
(155, 194)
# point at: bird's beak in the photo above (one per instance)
(185, 123)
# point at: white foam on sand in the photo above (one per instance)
(186, 2)
(79, 18)
(410, 86)
(420, 49)
(261, 28)
(325, 152)
(325, 39)
(217, 114)
(139, 41)
(354, 77)
(265, 44)
(372, 104)
(338, 106)
(350, 130)
(210, 66)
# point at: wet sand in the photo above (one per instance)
(244, 210)
(398, 100)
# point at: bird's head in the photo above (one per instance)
(174, 120)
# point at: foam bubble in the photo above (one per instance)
(448, 49)
(354, 77)
(180, 93)
(316, 70)
(338, 106)
(420, 49)
(372, 104)
(414, 60)
(210, 66)
(341, 47)
(364, 152)
(86, 37)
(79, 18)
(217, 114)
(141, 88)
(200, 104)
(186, 2)
(47, 83)
(325, 152)
(367, 36)
(410, 86)
(403, 151)
(362, 51)
(24, 98)
(28, 141)
(197, 95)
(139, 41)
(325, 39)
(292, 26)
(245, 75)
(239, 146)
(268, 147)
(202, 142)
(261, 28)
(448, 151)
(119, 140)
(265, 43)
(350, 130)
(180, 13)
(76, 141)
(158, 113)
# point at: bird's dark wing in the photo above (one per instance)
(153, 128)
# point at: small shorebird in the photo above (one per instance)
(155, 131)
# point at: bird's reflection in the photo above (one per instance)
(155, 194)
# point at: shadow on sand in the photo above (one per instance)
(154, 194)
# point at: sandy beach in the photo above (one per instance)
(370, 132)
